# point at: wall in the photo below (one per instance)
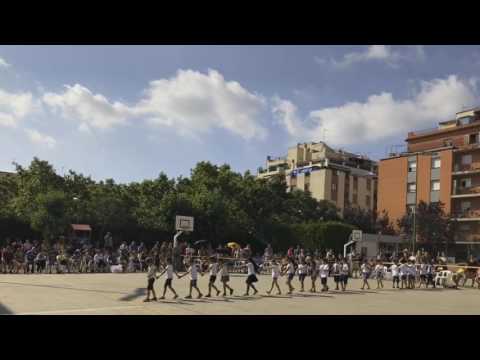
(392, 187)
(437, 140)
(317, 184)
(424, 164)
(446, 179)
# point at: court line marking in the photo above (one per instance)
(80, 310)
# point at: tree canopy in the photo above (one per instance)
(227, 206)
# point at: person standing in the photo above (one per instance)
(252, 269)
(275, 275)
(168, 281)
(213, 268)
(395, 274)
(151, 276)
(366, 270)
(108, 241)
(344, 272)
(324, 269)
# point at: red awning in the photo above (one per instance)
(81, 227)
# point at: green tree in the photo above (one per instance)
(50, 214)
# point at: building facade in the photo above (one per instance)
(441, 164)
(343, 178)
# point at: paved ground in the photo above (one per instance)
(123, 294)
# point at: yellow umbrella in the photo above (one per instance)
(233, 245)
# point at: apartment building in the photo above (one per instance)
(440, 164)
(344, 178)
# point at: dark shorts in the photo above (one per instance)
(168, 282)
(344, 278)
(193, 283)
(314, 277)
(290, 276)
(410, 277)
(323, 280)
(212, 279)
(423, 277)
(150, 283)
(404, 277)
(336, 278)
(226, 278)
(251, 279)
(396, 278)
(302, 277)
(365, 276)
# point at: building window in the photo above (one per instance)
(355, 199)
(466, 183)
(473, 139)
(369, 184)
(334, 187)
(436, 185)
(355, 183)
(465, 120)
(307, 187)
(412, 166)
(412, 187)
(436, 162)
(467, 159)
(465, 227)
(410, 208)
(367, 200)
(465, 206)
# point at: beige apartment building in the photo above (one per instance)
(343, 178)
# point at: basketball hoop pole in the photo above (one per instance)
(180, 232)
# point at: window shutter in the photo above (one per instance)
(465, 140)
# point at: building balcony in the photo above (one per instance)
(271, 161)
(473, 191)
(459, 169)
(467, 215)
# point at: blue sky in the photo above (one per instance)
(130, 112)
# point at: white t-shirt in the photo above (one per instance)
(336, 268)
(344, 270)
(290, 268)
(223, 270)
(213, 269)
(365, 268)
(423, 269)
(275, 271)
(412, 270)
(169, 271)
(379, 269)
(250, 269)
(302, 269)
(324, 270)
(403, 269)
(394, 269)
(193, 272)
(152, 271)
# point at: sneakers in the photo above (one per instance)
(224, 295)
(146, 300)
(176, 296)
(199, 296)
(218, 292)
(268, 292)
(162, 297)
(231, 292)
(208, 295)
(188, 297)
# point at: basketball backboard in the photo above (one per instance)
(184, 223)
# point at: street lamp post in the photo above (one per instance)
(414, 230)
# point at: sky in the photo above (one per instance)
(131, 112)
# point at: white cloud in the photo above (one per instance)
(14, 107)
(379, 53)
(41, 139)
(381, 115)
(78, 102)
(191, 103)
(3, 63)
